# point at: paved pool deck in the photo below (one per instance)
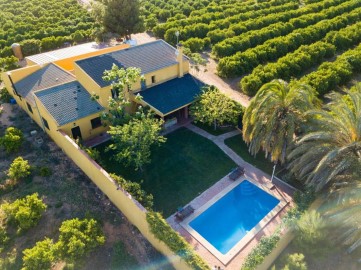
(281, 190)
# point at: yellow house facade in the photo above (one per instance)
(58, 95)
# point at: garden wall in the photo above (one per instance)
(134, 211)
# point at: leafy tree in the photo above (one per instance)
(274, 115)
(198, 63)
(12, 140)
(120, 17)
(214, 108)
(24, 212)
(329, 154)
(8, 63)
(19, 169)
(30, 46)
(132, 141)
(122, 80)
(78, 237)
(41, 256)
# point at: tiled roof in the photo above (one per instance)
(68, 102)
(46, 77)
(148, 57)
(173, 94)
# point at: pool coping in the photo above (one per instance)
(226, 258)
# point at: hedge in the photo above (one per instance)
(162, 231)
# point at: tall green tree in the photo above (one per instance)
(330, 153)
(274, 115)
(120, 17)
(214, 108)
(132, 142)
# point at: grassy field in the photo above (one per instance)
(237, 144)
(210, 129)
(181, 169)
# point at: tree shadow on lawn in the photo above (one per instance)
(181, 169)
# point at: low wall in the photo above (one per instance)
(134, 211)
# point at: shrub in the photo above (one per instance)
(19, 169)
(4, 95)
(78, 237)
(41, 256)
(161, 230)
(25, 212)
(295, 261)
(259, 253)
(12, 140)
(45, 171)
(135, 190)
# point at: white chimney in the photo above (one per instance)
(179, 53)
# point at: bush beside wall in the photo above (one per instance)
(161, 230)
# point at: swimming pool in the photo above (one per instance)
(228, 220)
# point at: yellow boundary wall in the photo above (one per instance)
(132, 209)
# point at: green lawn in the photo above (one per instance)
(183, 167)
(237, 144)
(210, 129)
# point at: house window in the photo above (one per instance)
(96, 122)
(29, 107)
(45, 123)
(153, 79)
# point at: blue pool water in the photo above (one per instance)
(229, 219)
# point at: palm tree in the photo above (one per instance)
(330, 154)
(274, 115)
(345, 216)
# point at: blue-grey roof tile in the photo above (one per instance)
(148, 57)
(46, 77)
(68, 102)
(173, 94)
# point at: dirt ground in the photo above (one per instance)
(68, 193)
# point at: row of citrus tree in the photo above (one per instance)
(243, 62)
(251, 39)
(296, 63)
(217, 20)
